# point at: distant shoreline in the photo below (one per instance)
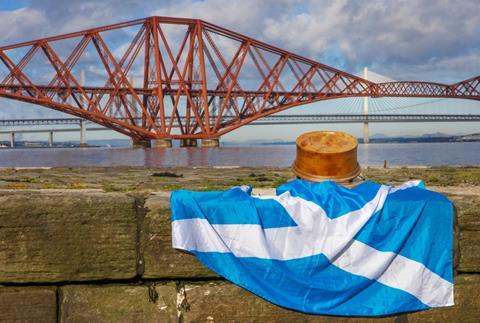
(393, 140)
(388, 140)
(122, 143)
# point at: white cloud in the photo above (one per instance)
(389, 36)
(20, 24)
(414, 39)
(383, 34)
(246, 16)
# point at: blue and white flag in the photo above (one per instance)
(325, 249)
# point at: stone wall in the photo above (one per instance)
(91, 256)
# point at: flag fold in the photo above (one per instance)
(325, 249)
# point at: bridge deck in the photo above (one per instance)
(269, 120)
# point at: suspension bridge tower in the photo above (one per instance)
(366, 138)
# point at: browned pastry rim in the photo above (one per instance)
(317, 178)
(326, 155)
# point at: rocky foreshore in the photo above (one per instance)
(93, 245)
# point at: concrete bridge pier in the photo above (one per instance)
(211, 143)
(366, 137)
(141, 143)
(188, 143)
(161, 143)
(12, 139)
(50, 139)
(83, 133)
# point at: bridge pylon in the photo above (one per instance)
(366, 138)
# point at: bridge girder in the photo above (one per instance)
(198, 80)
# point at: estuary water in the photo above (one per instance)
(398, 154)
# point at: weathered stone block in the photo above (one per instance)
(225, 302)
(160, 259)
(469, 251)
(28, 304)
(118, 303)
(456, 240)
(467, 304)
(66, 236)
(468, 207)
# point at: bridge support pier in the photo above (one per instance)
(12, 139)
(211, 143)
(50, 139)
(141, 143)
(83, 133)
(366, 137)
(188, 143)
(161, 143)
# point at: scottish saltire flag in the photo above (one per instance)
(325, 249)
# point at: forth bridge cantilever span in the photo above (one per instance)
(174, 78)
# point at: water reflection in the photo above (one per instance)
(363, 154)
(281, 156)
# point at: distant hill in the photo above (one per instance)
(435, 135)
(379, 135)
(378, 138)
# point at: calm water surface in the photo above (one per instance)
(372, 154)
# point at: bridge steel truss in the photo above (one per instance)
(198, 80)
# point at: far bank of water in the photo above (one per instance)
(427, 154)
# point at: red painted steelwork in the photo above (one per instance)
(198, 80)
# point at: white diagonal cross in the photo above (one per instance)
(315, 234)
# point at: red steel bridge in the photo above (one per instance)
(174, 78)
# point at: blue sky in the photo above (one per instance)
(433, 40)
(7, 5)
